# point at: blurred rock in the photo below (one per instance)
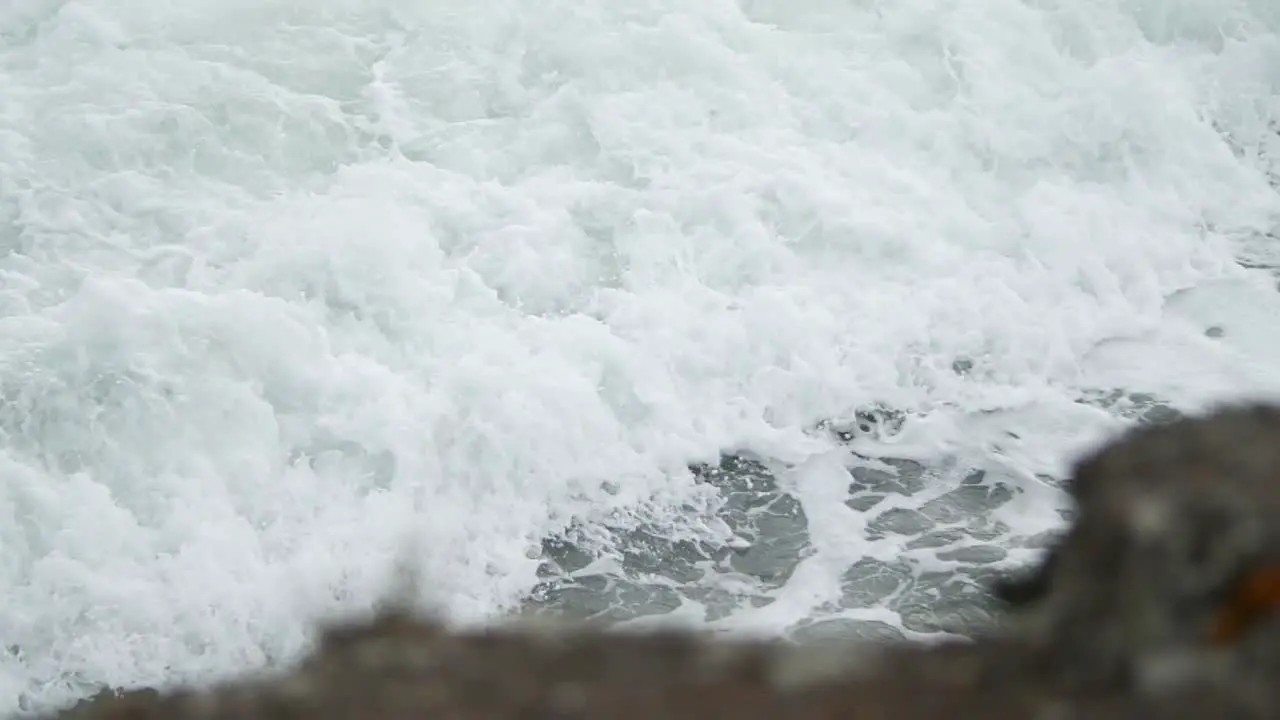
(1171, 569)
(400, 668)
(1158, 602)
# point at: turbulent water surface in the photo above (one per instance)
(778, 316)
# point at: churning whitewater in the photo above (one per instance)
(291, 292)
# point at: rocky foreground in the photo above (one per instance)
(1158, 603)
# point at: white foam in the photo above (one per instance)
(281, 283)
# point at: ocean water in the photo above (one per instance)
(780, 317)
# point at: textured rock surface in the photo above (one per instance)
(1174, 554)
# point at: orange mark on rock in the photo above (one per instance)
(1256, 599)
